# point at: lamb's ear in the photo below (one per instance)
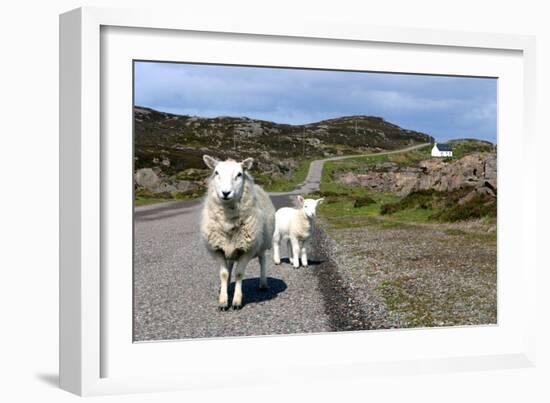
(319, 201)
(247, 163)
(300, 200)
(210, 162)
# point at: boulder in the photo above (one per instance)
(164, 187)
(184, 186)
(147, 178)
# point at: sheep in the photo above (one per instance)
(296, 225)
(237, 224)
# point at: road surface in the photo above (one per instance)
(176, 282)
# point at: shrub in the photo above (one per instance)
(363, 201)
(423, 199)
(477, 207)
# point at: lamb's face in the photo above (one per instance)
(228, 177)
(310, 206)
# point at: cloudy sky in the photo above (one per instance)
(444, 107)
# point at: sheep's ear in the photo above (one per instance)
(319, 201)
(300, 200)
(210, 162)
(247, 163)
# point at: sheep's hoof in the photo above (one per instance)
(236, 307)
(223, 307)
(277, 262)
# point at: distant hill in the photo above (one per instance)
(168, 148)
(174, 143)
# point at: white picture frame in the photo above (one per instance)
(85, 344)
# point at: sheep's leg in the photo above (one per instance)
(240, 266)
(225, 277)
(304, 254)
(276, 247)
(263, 272)
(295, 252)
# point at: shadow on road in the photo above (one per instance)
(252, 293)
(310, 262)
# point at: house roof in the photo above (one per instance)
(444, 147)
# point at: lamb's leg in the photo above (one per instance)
(304, 254)
(225, 277)
(295, 252)
(289, 249)
(240, 266)
(263, 272)
(276, 247)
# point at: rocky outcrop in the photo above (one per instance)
(477, 171)
(153, 180)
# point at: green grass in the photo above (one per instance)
(365, 163)
(280, 184)
(146, 201)
(144, 197)
(356, 206)
(490, 238)
(345, 206)
(465, 147)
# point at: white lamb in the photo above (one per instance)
(296, 226)
(237, 224)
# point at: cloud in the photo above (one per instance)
(444, 107)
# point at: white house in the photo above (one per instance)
(442, 150)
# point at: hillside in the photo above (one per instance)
(182, 139)
(168, 148)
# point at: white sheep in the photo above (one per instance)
(296, 226)
(237, 224)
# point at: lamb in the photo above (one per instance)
(295, 225)
(237, 223)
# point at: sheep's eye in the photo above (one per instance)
(239, 175)
(216, 173)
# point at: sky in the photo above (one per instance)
(445, 107)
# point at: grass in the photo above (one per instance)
(144, 197)
(475, 236)
(280, 184)
(365, 163)
(146, 201)
(465, 147)
(354, 206)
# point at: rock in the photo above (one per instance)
(164, 187)
(147, 178)
(386, 166)
(476, 171)
(184, 186)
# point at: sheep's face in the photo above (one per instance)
(228, 177)
(310, 206)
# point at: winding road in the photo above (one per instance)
(176, 282)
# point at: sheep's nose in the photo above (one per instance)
(225, 194)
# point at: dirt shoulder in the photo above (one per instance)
(419, 275)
